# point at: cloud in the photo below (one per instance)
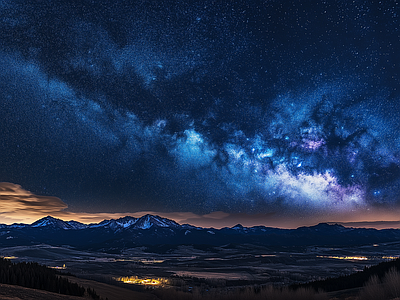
(17, 204)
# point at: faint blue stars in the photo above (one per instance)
(207, 103)
(377, 193)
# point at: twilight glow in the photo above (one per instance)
(284, 111)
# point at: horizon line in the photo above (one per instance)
(378, 224)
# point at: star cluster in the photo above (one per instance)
(238, 106)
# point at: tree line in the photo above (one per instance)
(354, 280)
(36, 276)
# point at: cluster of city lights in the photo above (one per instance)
(357, 257)
(9, 257)
(345, 257)
(142, 281)
(58, 267)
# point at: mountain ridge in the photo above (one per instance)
(128, 232)
(148, 220)
(144, 222)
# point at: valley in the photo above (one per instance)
(224, 265)
(150, 253)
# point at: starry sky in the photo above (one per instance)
(273, 110)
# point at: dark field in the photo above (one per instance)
(225, 266)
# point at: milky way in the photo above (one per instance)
(245, 106)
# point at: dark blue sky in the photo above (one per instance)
(202, 106)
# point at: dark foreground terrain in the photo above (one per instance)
(159, 247)
(232, 264)
(14, 292)
(154, 257)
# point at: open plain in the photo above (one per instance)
(225, 265)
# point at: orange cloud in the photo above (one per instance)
(19, 205)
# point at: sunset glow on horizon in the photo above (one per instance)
(20, 206)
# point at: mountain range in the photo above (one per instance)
(127, 232)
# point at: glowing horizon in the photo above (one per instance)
(20, 206)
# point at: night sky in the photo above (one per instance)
(283, 109)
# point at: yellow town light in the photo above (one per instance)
(141, 281)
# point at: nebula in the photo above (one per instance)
(269, 107)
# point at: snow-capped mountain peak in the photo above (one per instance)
(144, 222)
(148, 221)
(238, 227)
(57, 223)
(126, 222)
(77, 225)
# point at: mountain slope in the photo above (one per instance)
(57, 224)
